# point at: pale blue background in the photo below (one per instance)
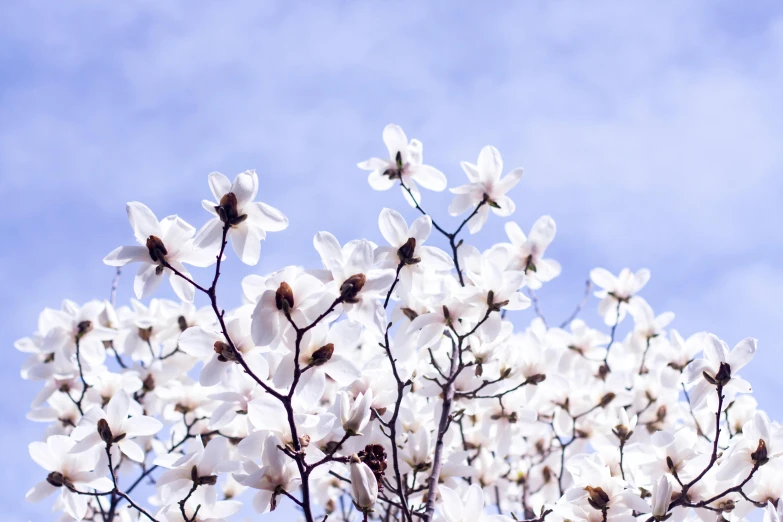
(651, 131)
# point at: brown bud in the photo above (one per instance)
(156, 249)
(406, 252)
(228, 211)
(145, 334)
(479, 370)
(105, 431)
(606, 399)
(760, 455)
(225, 351)
(670, 463)
(82, 328)
(410, 314)
(322, 355)
(207, 480)
(182, 323)
(536, 379)
(724, 374)
(351, 287)
(56, 479)
(148, 384)
(597, 497)
(284, 296)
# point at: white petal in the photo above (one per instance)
(143, 221)
(219, 184)
(142, 425)
(490, 164)
(123, 255)
(146, 281)
(198, 342)
(393, 227)
(131, 449)
(246, 242)
(245, 187)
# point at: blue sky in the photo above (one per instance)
(650, 131)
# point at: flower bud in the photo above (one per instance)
(406, 252)
(156, 249)
(355, 417)
(364, 486)
(228, 211)
(661, 497)
(284, 296)
(105, 431)
(322, 355)
(351, 287)
(56, 479)
(760, 455)
(597, 497)
(606, 399)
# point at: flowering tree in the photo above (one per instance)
(390, 383)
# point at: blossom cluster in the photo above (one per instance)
(393, 382)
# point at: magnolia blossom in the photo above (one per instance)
(358, 284)
(166, 245)
(526, 253)
(247, 221)
(113, 426)
(719, 367)
(407, 249)
(69, 473)
(407, 381)
(404, 164)
(486, 188)
(617, 291)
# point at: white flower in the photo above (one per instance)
(404, 164)
(617, 291)
(364, 485)
(760, 442)
(277, 473)
(719, 367)
(209, 344)
(114, 426)
(165, 243)
(407, 246)
(527, 252)
(248, 220)
(355, 417)
(68, 473)
(201, 466)
(485, 186)
(467, 508)
(290, 291)
(359, 285)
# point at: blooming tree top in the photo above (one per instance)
(416, 380)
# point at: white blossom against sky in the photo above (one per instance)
(651, 131)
